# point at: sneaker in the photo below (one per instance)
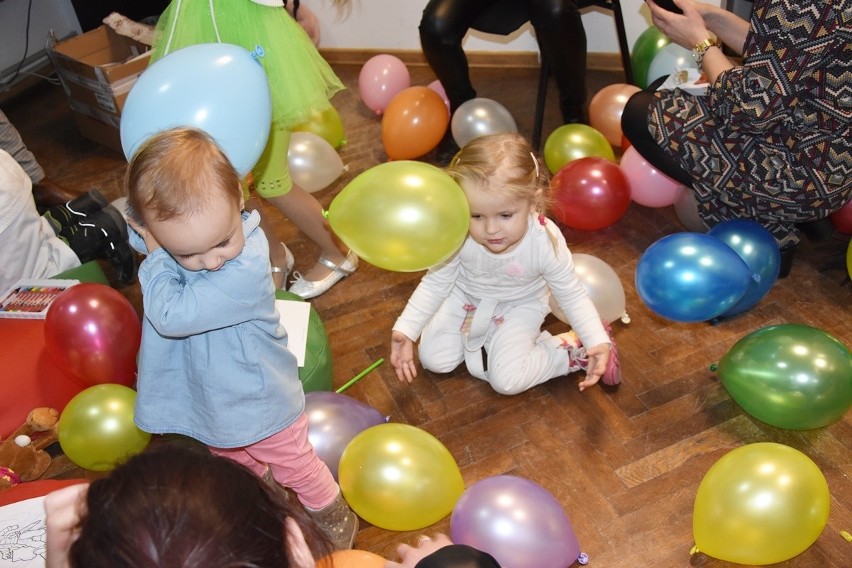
(104, 235)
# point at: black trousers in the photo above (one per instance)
(634, 125)
(559, 32)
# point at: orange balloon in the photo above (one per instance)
(606, 107)
(413, 123)
(351, 559)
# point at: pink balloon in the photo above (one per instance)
(516, 521)
(439, 88)
(648, 185)
(94, 332)
(381, 78)
(333, 420)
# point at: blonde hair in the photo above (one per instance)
(503, 163)
(178, 173)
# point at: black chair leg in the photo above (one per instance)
(622, 41)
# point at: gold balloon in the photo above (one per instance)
(404, 216)
(760, 504)
(571, 142)
(96, 429)
(399, 477)
(326, 124)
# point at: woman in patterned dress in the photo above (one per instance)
(771, 139)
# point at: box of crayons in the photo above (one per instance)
(30, 299)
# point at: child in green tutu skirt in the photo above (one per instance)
(300, 82)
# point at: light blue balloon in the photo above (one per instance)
(691, 277)
(758, 249)
(215, 87)
(670, 59)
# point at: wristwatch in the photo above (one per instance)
(701, 48)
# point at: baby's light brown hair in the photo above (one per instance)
(178, 173)
(503, 163)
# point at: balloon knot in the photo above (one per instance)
(583, 558)
(756, 277)
(325, 213)
(694, 550)
(713, 367)
(258, 53)
(625, 318)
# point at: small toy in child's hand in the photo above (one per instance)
(668, 5)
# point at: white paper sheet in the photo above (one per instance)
(22, 534)
(294, 317)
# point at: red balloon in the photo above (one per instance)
(590, 193)
(842, 219)
(625, 143)
(94, 332)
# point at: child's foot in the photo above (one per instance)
(578, 359)
(310, 285)
(338, 522)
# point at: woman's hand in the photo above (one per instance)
(402, 357)
(410, 556)
(63, 508)
(687, 29)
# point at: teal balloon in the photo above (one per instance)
(791, 376)
(645, 49)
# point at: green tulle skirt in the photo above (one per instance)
(300, 80)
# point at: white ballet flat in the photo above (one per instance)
(313, 288)
(286, 270)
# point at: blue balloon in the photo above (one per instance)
(758, 249)
(215, 87)
(691, 277)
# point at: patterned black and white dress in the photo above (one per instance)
(771, 140)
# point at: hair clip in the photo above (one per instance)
(535, 161)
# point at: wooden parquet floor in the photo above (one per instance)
(624, 462)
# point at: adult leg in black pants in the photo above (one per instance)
(561, 38)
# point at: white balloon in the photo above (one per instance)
(602, 284)
(314, 163)
(480, 117)
(670, 59)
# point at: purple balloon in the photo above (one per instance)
(333, 420)
(516, 521)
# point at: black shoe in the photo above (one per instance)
(63, 217)
(104, 235)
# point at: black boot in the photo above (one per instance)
(62, 217)
(103, 235)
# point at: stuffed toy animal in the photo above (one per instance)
(22, 455)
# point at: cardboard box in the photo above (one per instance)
(97, 70)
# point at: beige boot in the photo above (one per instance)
(337, 521)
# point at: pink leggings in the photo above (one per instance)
(292, 461)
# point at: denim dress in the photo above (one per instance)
(214, 363)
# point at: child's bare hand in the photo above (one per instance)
(598, 357)
(410, 556)
(402, 357)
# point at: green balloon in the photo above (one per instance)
(791, 376)
(96, 429)
(647, 46)
(316, 374)
(404, 216)
(571, 142)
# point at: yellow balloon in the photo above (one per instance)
(760, 504)
(96, 429)
(571, 142)
(326, 124)
(404, 216)
(399, 477)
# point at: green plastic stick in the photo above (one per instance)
(360, 375)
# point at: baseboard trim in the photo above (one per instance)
(496, 59)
